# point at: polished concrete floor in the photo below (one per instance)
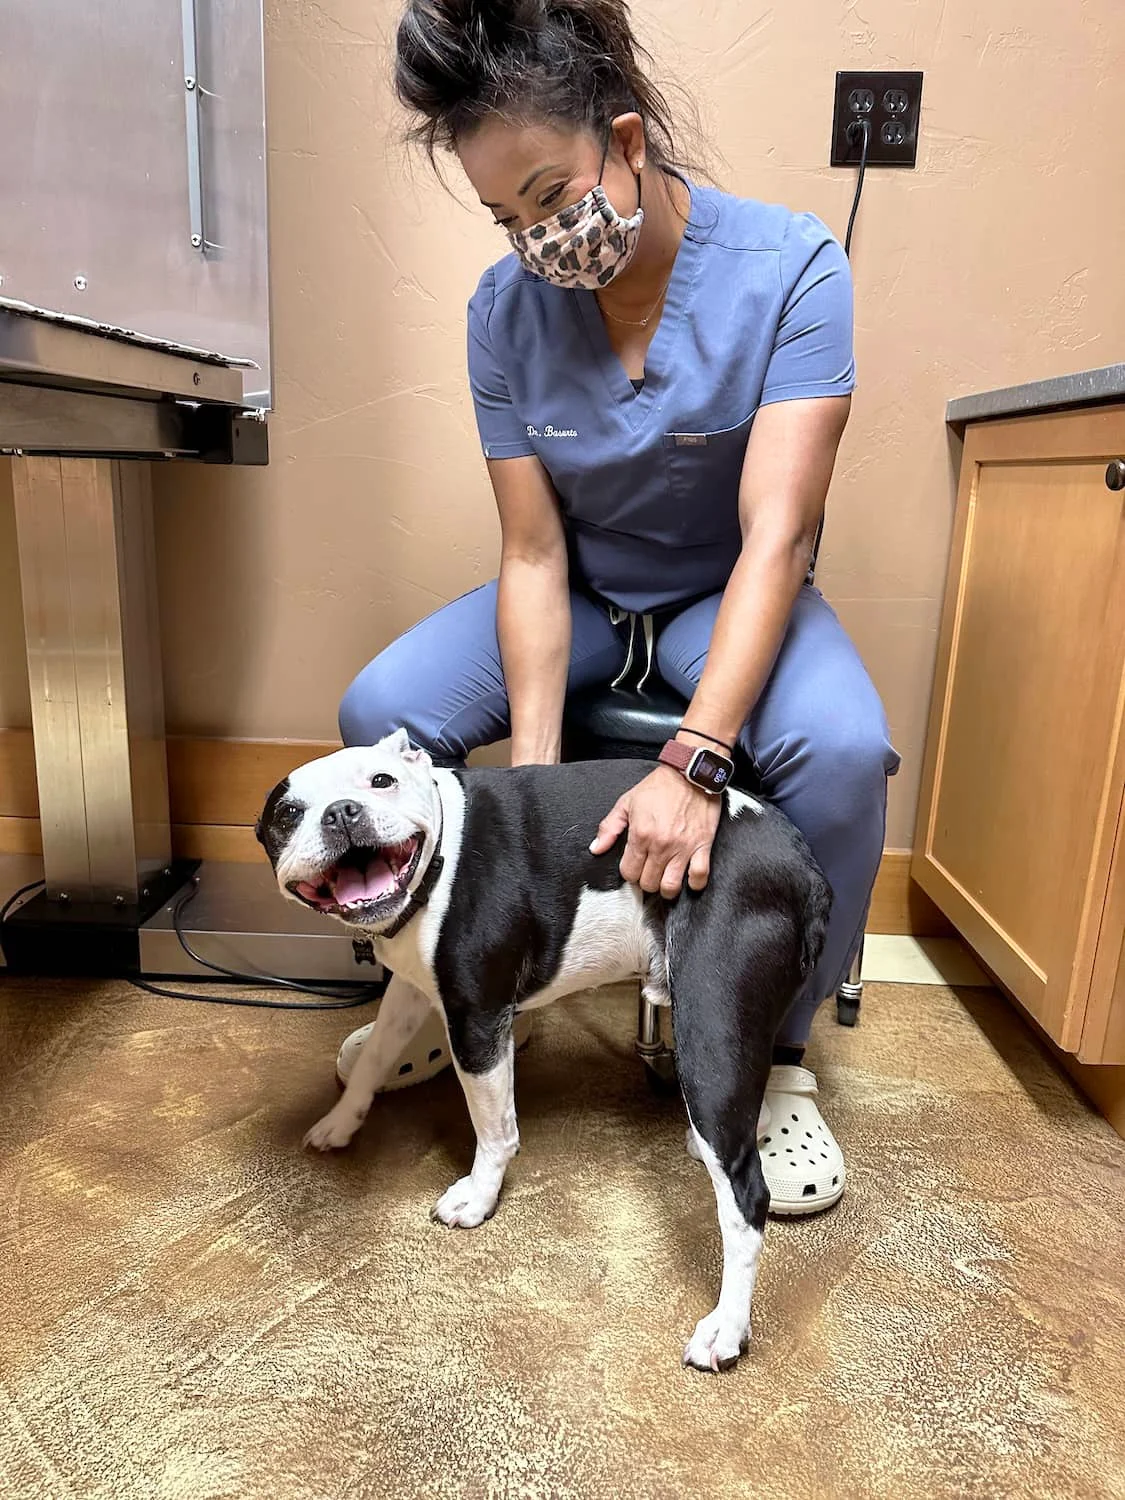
(191, 1307)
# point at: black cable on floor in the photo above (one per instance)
(330, 990)
(330, 997)
(374, 993)
(856, 128)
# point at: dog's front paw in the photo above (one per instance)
(716, 1343)
(463, 1206)
(334, 1131)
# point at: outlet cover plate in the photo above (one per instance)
(891, 103)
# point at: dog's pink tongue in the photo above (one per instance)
(364, 885)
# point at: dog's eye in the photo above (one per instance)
(382, 782)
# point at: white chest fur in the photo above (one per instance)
(411, 953)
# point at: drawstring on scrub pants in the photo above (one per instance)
(617, 616)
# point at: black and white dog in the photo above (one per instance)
(483, 899)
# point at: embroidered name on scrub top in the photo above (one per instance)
(758, 309)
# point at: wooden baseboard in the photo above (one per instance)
(226, 843)
(217, 787)
(1103, 1086)
(19, 796)
(899, 906)
(223, 783)
(20, 836)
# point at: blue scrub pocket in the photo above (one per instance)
(704, 470)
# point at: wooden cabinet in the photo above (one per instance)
(1021, 835)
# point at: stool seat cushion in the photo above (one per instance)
(605, 723)
(631, 723)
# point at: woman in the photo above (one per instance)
(661, 374)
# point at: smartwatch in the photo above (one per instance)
(710, 771)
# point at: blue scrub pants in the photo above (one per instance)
(818, 734)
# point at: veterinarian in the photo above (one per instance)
(661, 374)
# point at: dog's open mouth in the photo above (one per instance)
(366, 880)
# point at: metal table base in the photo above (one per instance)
(82, 416)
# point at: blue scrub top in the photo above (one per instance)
(759, 309)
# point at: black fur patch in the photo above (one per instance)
(524, 862)
(279, 816)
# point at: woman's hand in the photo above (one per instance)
(671, 827)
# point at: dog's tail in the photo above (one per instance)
(818, 908)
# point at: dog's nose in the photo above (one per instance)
(341, 815)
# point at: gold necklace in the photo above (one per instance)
(640, 322)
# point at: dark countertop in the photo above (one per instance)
(1086, 388)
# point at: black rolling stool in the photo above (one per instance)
(627, 722)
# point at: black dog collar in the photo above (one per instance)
(420, 895)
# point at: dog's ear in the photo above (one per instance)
(258, 833)
(398, 742)
(417, 757)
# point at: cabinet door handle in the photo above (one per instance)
(1115, 475)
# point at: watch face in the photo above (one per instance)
(710, 771)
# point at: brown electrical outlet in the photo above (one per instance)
(890, 104)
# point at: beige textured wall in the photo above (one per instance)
(998, 260)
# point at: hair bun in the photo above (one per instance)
(494, 22)
(574, 61)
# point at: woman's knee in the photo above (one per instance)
(372, 705)
(856, 750)
(839, 767)
(449, 705)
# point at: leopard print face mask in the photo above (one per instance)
(583, 246)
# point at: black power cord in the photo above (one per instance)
(374, 992)
(332, 997)
(855, 130)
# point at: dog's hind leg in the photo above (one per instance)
(401, 1012)
(742, 1199)
(490, 1095)
(725, 1003)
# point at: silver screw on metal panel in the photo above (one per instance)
(80, 283)
(119, 900)
(189, 83)
(196, 241)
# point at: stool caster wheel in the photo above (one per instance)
(850, 992)
(660, 1073)
(847, 1012)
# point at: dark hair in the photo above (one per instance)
(576, 62)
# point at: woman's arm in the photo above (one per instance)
(785, 478)
(533, 607)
